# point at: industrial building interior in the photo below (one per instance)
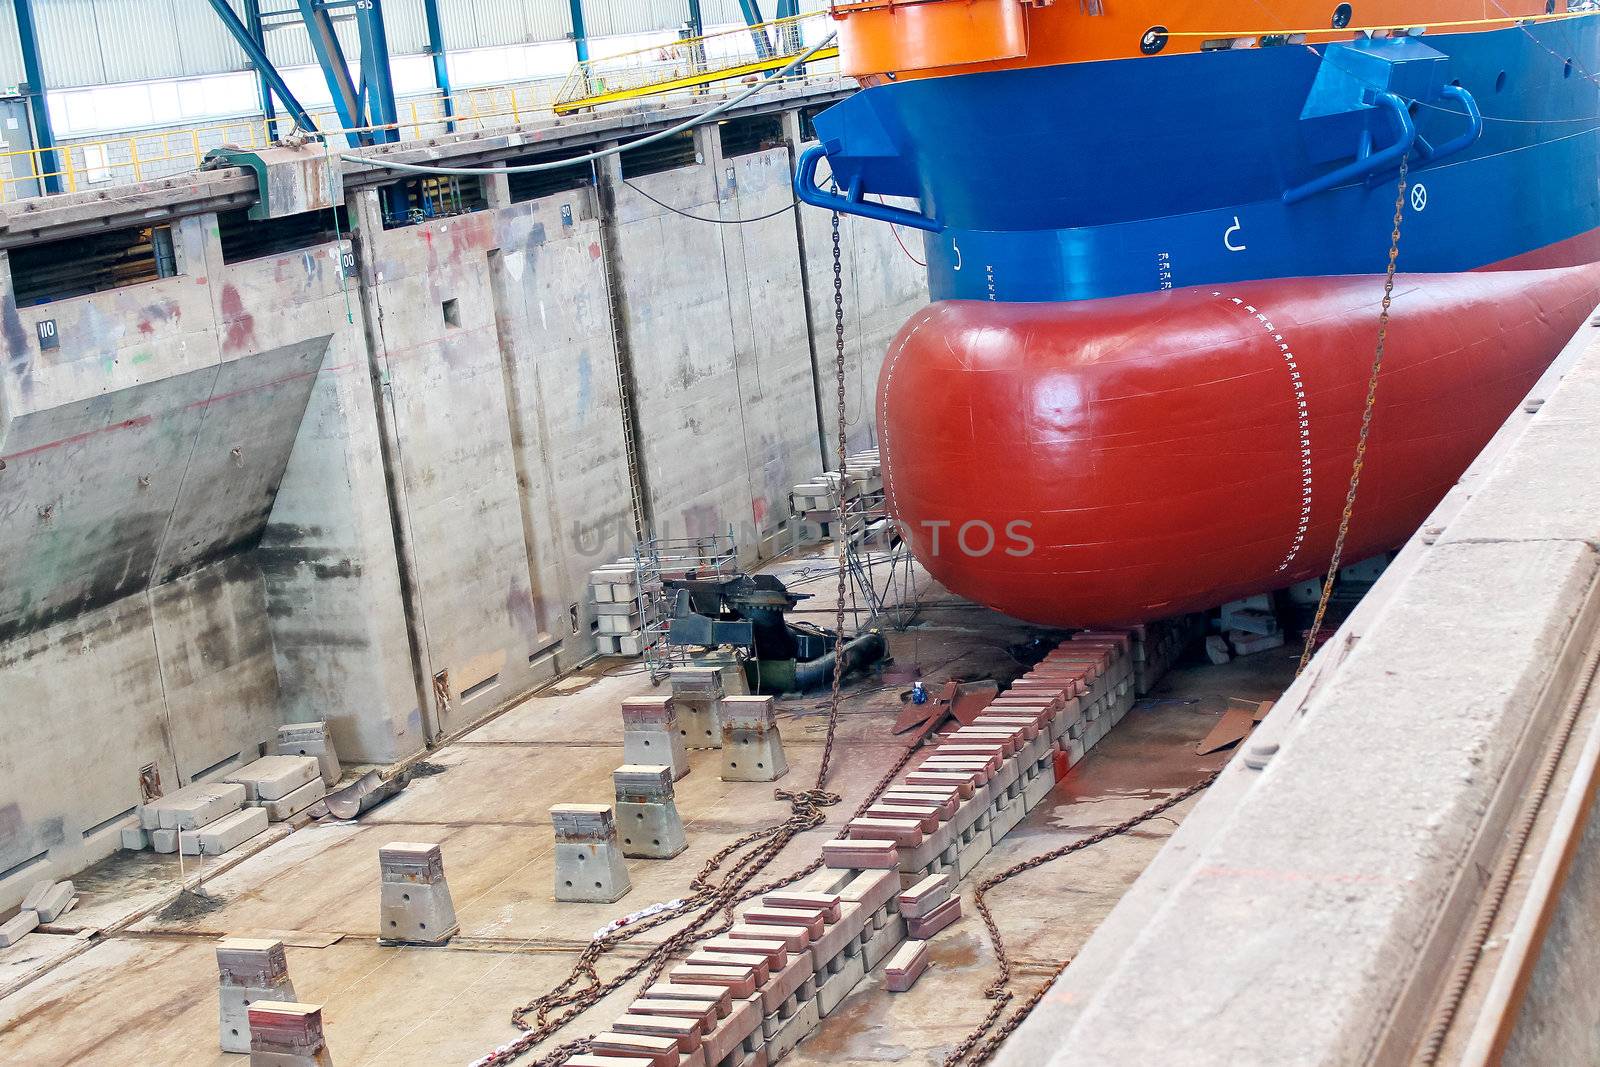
(471, 500)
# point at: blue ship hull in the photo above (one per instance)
(1103, 179)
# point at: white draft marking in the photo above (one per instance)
(1227, 237)
(1302, 417)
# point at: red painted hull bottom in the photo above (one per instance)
(1113, 461)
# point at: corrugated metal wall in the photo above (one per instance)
(10, 52)
(603, 18)
(101, 42)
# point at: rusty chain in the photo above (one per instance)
(840, 534)
(583, 987)
(1366, 424)
(969, 1051)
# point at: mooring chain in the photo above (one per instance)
(969, 1051)
(1366, 423)
(840, 533)
(583, 987)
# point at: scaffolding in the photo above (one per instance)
(881, 587)
(658, 560)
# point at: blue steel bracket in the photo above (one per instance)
(1367, 161)
(851, 202)
(1428, 153)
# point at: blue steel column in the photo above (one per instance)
(441, 61)
(377, 80)
(335, 69)
(751, 9)
(252, 23)
(580, 34)
(257, 56)
(44, 136)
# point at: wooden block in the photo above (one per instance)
(648, 1048)
(906, 833)
(686, 1032)
(860, 855)
(718, 997)
(775, 951)
(794, 938)
(966, 783)
(926, 817)
(702, 1011)
(791, 898)
(947, 800)
(935, 920)
(902, 969)
(738, 981)
(922, 898)
(810, 919)
(756, 961)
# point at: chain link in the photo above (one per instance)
(583, 988)
(969, 1051)
(1366, 423)
(840, 532)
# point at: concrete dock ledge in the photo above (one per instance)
(1304, 911)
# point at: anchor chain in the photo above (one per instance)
(969, 1051)
(1366, 424)
(546, 1015)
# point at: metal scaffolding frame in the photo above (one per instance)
(659, 559)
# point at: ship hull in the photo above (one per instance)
(1111, 461)
(1157, 282)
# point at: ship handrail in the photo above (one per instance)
(852, 202)
(1367, 161)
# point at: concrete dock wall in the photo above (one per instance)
(1309, 907)
(281, 489)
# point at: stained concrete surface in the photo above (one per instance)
(405, 501)
(147, 993)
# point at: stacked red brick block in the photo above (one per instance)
(746, 998)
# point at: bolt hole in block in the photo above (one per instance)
(452, 313)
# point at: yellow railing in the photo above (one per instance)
(91, 164)
(80, 165)
(691, 63)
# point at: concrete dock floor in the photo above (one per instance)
(146, 993)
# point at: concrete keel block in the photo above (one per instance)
(135, 838)
(414, 905)
(752, 749)
(589, 865)
(648, 743)
(249, 970)
(164, 841)
(225, 834)
(287, 1034)
(651, 831)
(196, 805)
(832, 990)
(49, 900)
(793, 1030)
(287, 807)
(310, 739)
(647, 813)
(275, 777)
(13, 929)
(698, 693)
(884, 941)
